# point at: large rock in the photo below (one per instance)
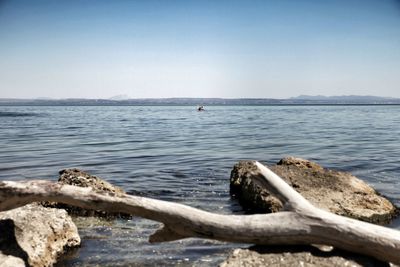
(80, 178)
(35, 236)
(337, 192)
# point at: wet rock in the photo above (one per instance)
(33, 235)
(297, 256)
(337, 192)
(80, 178)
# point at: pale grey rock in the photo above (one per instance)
(8, 260)
(35, 235)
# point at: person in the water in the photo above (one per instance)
(200, 108)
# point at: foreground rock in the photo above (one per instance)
(35, 236)
(80, 178)
(297, 256)
(337, 192)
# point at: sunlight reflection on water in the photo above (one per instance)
(177, 154)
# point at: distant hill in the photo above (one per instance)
(343, 98)
(120, 97)
(122, 101)
(141, 101)
(346, 99)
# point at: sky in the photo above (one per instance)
(228, 49)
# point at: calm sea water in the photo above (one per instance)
(176, 153)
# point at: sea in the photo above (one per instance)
(178, 154)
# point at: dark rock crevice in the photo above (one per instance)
(8, 242)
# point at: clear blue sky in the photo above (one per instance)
(278, 49)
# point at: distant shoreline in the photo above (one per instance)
(187, 105)
(296, 101)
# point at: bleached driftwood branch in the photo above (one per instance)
(299, 223)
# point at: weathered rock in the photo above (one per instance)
(80, 178)
(252, 198)
(297, 256)
(34, 235)
(337, 192)
(8, 260)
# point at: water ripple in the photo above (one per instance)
(178, 154)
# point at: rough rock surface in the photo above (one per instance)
(8, 260)
(337, 192)
(33, 235)
(80, 178)
(83, 179)
(297, 256)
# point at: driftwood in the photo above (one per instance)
(299, 223)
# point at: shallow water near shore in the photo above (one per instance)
(177, 154)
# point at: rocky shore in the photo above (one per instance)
(37, 234)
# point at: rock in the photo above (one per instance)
(252, 198)
(297, 256)
(80, 178)
(8, 260)
(337, 192)
(33, 235)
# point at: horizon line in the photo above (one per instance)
(180, 97)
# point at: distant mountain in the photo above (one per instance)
(309, 97)
(345, 98)
(44, 98)
(122, 101)
(119, 97)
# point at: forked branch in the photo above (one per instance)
(300, 223)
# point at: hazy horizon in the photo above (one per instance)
(184, 49)
(126, 97)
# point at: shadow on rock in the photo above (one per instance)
(8, 241)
